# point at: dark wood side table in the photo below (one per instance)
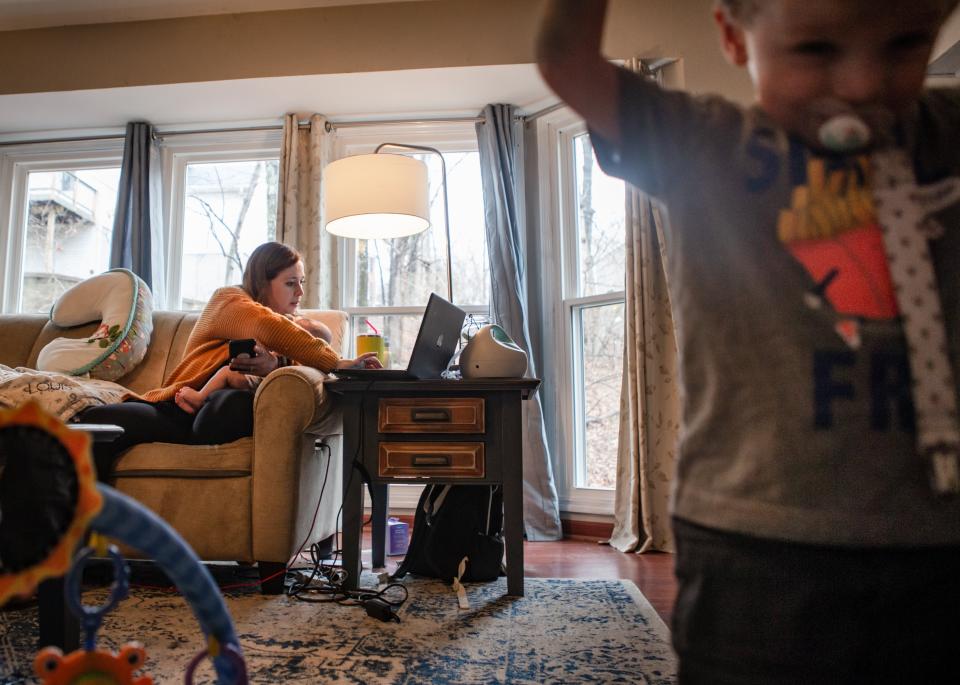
(436, 431)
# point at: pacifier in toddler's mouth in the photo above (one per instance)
(844, 133)
(835, 126)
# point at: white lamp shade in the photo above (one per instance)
(376, 196)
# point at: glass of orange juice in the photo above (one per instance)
(371, 342)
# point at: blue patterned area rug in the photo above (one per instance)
(562, 631)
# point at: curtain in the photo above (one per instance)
(650, 393)
(500, 141)
(137, 241)
(299, 212)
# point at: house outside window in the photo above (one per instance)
(58, 202)
(582, 215)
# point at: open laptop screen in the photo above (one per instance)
(436, 342)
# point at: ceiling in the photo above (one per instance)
(455, 91)
(31, 14)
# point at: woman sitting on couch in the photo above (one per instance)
(260, 309)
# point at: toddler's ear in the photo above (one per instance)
(732, 40)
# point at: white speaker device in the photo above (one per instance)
(492, 354)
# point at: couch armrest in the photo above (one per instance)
(288, 473)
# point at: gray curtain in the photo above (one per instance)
(500, 139)
(137, 242)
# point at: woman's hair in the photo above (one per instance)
(263, 266)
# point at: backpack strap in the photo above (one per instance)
(458, 588)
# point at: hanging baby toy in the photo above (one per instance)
(49, 498)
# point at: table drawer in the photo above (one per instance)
(431, 415)
(426, 459)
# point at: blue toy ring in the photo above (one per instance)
(91, 616)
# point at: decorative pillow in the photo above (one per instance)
(123, 304)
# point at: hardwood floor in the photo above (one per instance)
(651, 572)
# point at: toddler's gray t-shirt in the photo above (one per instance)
(797, 415)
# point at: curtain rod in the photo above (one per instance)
(241, 129)
(331, 125)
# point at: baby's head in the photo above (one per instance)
(810, 58)
(314, 328)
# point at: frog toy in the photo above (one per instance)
(96, 667)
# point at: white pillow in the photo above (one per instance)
(123, 304)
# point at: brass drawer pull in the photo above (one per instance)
(431, 460)
(430, 415)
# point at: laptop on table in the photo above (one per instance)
(435, 345)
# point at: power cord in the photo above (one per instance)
(323, 581)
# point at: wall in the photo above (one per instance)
(346, 39)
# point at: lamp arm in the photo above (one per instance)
(446, 209)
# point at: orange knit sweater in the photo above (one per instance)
(231, 314)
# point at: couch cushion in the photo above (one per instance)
(18, 335)
(166, 460)
(122, 304)
(171, 330)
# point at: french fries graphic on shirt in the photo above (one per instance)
(830, 204)
(831, 229)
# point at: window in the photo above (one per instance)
(67, 234)
(229, 209)
(596, 305)
(387, 282)
(58, 202)
(583, 215)
(222, 203)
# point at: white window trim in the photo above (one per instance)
(177, 152)
(557, 211)
(16, 164)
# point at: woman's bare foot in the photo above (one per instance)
(189, 400)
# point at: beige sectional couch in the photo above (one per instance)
(250, 500)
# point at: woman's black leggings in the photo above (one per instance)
(227, 415)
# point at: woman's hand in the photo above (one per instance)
(367, 360)
(260, 365)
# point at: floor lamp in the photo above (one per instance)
(382, 196)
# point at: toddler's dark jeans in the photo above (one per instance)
(753, 610)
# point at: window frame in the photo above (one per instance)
(17, 162)
(556, 132)
(179, 150)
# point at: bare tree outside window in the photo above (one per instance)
(229, 209)
(598, 321)
(404, 271)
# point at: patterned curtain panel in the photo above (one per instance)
(137, 241)
(501, 167)
(650, 394)
(304, 153)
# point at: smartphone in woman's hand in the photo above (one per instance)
(238, 347)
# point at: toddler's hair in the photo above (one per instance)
(743, 11)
